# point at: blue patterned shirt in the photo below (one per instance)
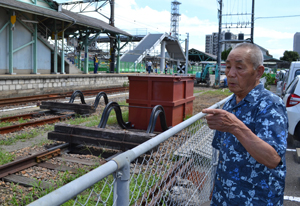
(240, 179)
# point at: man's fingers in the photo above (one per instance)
(211, 111)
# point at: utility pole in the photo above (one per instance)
(112, 37)
(252, 22)
(217, 73)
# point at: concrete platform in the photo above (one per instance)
(28, 85)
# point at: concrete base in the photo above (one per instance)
(298, 155)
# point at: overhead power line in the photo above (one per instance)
(269, 17)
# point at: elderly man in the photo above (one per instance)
(251, 135)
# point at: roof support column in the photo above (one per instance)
(62, 52)
(112, 37)
(162, 59)
(187, 54)
(55, 49)
(34, 48)
(86, 55)
(79, 59)
(118, 57)
(10, 44)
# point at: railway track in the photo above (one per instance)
(38, 98)
(34, 123)
(43, 116)
(42, 171)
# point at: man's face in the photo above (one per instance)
(241, 77)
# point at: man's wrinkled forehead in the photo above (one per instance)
(238, 61)
(239, 55)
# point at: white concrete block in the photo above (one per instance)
(18, 87)
(24, 86)
(12, 87)
(5, 88)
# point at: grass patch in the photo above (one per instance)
(113, 118)
(138, 185)
(6, 157)
(219, 92)
(197, 91)
(25, 135)
(5, 124)
(94, 120)
(78, 120)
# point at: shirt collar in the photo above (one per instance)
(251, 96)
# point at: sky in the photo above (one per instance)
(275, 21)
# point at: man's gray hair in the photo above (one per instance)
(256, 55)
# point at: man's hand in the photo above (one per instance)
(221, 120)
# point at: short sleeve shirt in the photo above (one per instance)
(240, 179)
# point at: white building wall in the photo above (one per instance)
(23, 58)
(3, 41)
(43, 58)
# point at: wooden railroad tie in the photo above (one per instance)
(100, 137)
(59, 107)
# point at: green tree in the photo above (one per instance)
(290, 56)
(225, 54)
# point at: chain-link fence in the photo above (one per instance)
(176, 167)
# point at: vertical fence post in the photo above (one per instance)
(214, 162)
(121, 186)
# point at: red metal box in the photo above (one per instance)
(174, 93)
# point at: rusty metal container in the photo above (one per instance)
(174, 93)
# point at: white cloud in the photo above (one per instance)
(129, 17)
(271, 33)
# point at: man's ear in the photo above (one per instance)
(260, 71)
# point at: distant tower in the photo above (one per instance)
(297, 42)
(175, 19)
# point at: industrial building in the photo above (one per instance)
(211, 42)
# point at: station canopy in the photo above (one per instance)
(57, 19)
(199, 56)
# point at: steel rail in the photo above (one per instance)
(18, 127)
(21, 100)
(24, 163)
(22, 116)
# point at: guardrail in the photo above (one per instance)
(176, 167)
